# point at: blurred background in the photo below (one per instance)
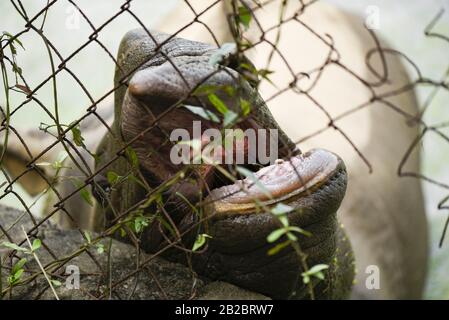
(400, 22)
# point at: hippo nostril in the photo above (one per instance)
(136, 88)
(156, 83)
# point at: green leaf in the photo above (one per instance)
(284, 220)
(251, 176)
(203, 113)
(315, 271)
(112, 177)
(299, 230)
(200, 241)
(217, 103)
(18, 266)
(77, 137)
(14, 278)
(100, 248)
(14, 246)
(36, 245)
(317, 268)
(305, 279)
(246, 107)
(264, 73)
(276, 234)
(278, 247)
(206, 89)
(16, 272)
(13, 50)
(132, 156)
(249, 67)
(19, 43)
(85, 194)
(6, 33)
(229, 90)
(9, 35)
(56, 165)
(291, 236)
(244, 16)
(281, 209)
(56, 283)
(88, 237)
(229, 118)
(319, 275)
(140, 222)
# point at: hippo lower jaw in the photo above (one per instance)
(238, 251)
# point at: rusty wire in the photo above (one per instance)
(63, 137)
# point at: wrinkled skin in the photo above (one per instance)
(237, 252)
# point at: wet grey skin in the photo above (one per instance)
(312, 183)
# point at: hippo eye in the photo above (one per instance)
(243, 66)
(232, 62)
(100, 189)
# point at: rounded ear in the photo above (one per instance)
(32, 182)
(16, 157)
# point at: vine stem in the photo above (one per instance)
(40, 265)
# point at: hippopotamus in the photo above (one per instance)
(150, 81)
(312, 183)
(381, 222)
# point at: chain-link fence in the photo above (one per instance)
(111, 172)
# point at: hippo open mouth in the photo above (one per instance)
(297, 177)
(236, 213)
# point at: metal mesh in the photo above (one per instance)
(70, 137)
